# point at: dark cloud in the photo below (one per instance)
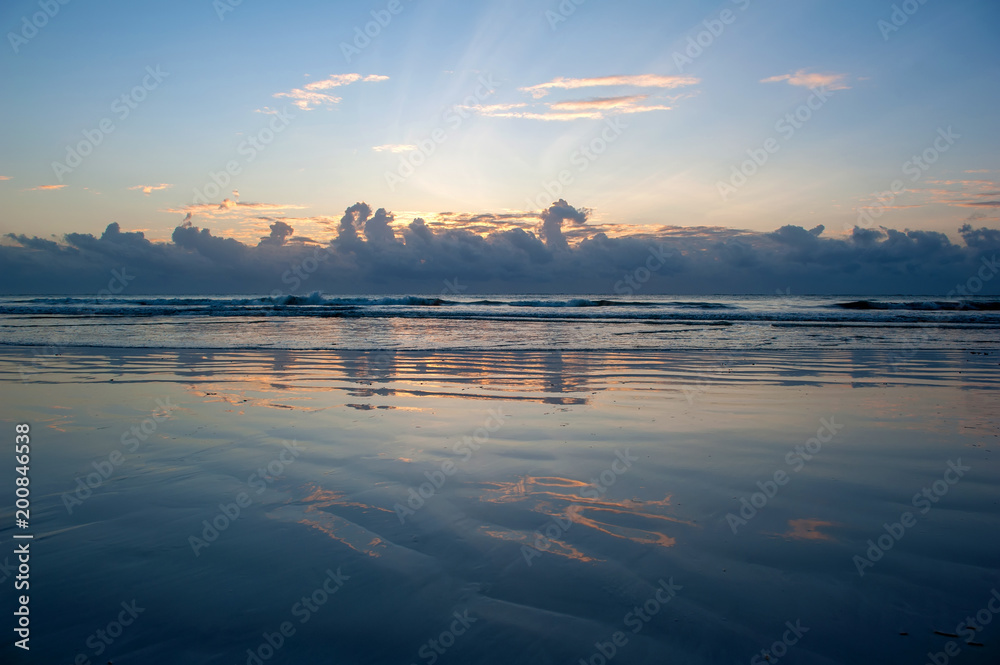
(552, 220)
(986, 239)
(40, 244)
(866, 236)
(280, 232)
(796, 236)
(378, 229)
(224, 251)
(354, 219)
(556, 253)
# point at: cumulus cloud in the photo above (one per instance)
(149, 189)
(552, 251)
(552, 219)
(378, 229)
(280, 232)
(354, 219)
(309, 97)
(808, 79)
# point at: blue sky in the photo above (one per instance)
(681, 130)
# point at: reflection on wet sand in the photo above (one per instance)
(316, 511)
(808, 529)
(377, 429)
(549, 496)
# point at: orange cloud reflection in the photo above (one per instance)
(808, 529)
(550, 495)
(313, 511)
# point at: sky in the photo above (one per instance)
(725, 121)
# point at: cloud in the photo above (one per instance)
(552, 251)
(148, 189)
(552, 219)
(811, 80)
(220, 251)
(280, 232)
(337, 80)
(230, 208)
(378, 229)
(591, 109)
(5, 177)
(354, 218)
(599, 103)
(638, 81)
(395, 147)
(307, 101)
(977, 194)
(308, 96)
(594, 108)
(542, 115)
(245, 220)
(977, 204)
(45, 188)
(962, 193)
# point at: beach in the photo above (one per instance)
(500, 333)
(494, 506)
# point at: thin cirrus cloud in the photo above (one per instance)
(5, 177)
(977, 194)
(637, 81)
(45, 188)
(309, 97)
(600, 105)
(965, 193)
(590, 109)
(230, 209)
(395, 148)
(808, 79)
(594, 108)
(521, 111)
(149, 189)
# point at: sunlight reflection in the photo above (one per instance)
(543, 495)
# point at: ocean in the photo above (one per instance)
(408, 322)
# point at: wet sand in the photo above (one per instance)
(545, 507)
